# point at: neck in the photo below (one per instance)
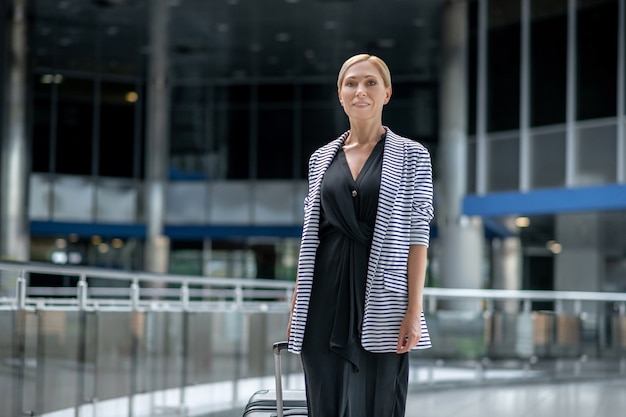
(364, 133)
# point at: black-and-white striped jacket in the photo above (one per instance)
(405, 210)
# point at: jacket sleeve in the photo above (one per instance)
(422, 211)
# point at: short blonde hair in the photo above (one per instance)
(378, 63)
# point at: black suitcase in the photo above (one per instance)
(277, 402)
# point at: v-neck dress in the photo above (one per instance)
(343, 379)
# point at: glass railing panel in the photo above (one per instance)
(166, 355)
(456, 334)
(113, 351)
(164, 337)
(7, 362)
(60, 362)
(503, 336)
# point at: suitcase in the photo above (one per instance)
(277, 402)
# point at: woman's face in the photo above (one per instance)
(363, 93)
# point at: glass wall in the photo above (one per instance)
(548, 62)
(87, 90)
(596, 42)
(554, 148)
(503, 65)
(237, 110)
(252, 95)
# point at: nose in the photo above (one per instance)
(360, 91)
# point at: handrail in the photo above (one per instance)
(524, 294)
(238, 284)
(117, 275)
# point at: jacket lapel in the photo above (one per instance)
(393, 157)
(322, 164)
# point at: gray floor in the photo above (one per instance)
(597, 398)
(575, 399)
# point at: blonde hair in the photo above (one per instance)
(378, 63)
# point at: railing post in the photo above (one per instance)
(82, 293)
(20, 292)
(558, 307)
(19, 346)
(184, 295)
(134, 365)
(82, 343)
(238, 295)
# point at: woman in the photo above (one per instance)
(357, 308)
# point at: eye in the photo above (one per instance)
(349, 84)
(371, 82)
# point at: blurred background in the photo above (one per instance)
(172, 137)
(186, 126)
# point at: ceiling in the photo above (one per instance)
(239, 39)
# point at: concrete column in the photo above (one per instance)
(506, 266)
(580, 265)
(461, 238)
(156, 253)
(14, 174)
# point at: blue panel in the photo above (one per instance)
(206, 231)
(40, 228)
(197, 232)
(584, 199)
(187, 232)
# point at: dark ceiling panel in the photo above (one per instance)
(239, 38)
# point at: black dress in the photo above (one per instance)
(343, 379)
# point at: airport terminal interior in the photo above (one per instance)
(153, 172)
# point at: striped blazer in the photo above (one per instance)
(403, 218)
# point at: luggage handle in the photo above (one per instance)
(277, 349)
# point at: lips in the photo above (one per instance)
(360, 104)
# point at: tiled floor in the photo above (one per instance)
(576, 399)
(598, 398)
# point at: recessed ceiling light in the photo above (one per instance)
(131, 97)
(554, 247)
(283, 37)
(522, 222)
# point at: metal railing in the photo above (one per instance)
(133, 343)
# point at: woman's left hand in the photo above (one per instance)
(410, 332)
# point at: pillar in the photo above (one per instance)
(506, 267)
(156, 253)
(14, 166)
(580, 265)
(460, 237)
